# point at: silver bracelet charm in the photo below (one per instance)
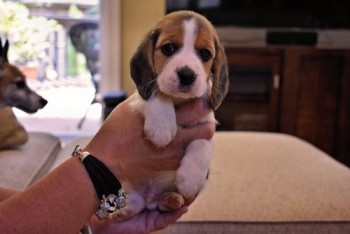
(111, 204)
(78, 152)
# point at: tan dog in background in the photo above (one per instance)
(13, 87)
(179, 60)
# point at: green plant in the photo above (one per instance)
(28, 36)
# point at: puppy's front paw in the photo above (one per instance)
(160, 132)
(160, 120)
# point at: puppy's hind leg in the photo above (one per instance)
(192, 173)
(170, 201)
(136, 204)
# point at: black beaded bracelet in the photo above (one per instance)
(107, 186)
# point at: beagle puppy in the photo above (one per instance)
(180, 59)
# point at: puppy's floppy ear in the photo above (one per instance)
(142, 66)
(220, 77)
(3, 52)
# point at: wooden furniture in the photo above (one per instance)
(303, 91)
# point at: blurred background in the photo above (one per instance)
(288, 62)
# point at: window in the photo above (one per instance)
(63, 71)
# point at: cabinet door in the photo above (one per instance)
(253, 98)
(311, 90)
(342, 151)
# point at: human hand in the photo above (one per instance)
(123, 147)
(144, 222)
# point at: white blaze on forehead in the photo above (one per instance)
(168, 80)
(190, 34)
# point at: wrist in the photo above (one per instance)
(98, 226)
(104, 154)
(108, 188)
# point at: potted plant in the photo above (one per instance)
(28, 36)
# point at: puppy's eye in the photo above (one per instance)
(205, 54)
(20, 84)
(169, 49)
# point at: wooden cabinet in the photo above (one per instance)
(302, 91)
(253, 99)
(313, 97)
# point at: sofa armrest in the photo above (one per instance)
(22, 166)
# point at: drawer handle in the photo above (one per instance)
(276, 81)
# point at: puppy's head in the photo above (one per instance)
(181, 57)
(13, 87)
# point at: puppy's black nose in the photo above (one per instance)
(186, 76)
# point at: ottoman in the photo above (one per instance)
(269, 183)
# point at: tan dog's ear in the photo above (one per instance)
(3, 52)
(141, 66)
(220, 77)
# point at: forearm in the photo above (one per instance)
(62, 202)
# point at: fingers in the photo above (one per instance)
(185, 114)
(190, 200)
(191, 112)
(199, 131)
(164, 219)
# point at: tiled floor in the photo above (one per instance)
(69, 100)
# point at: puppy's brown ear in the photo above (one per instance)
(141, 66)
(220, 77)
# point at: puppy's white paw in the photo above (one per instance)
(160, 132)
(160, 120)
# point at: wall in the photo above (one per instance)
(125, 22)
(110, 45)
(137, 18)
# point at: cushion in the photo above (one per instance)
(270, 183)
(12, 133)
(23, 166)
